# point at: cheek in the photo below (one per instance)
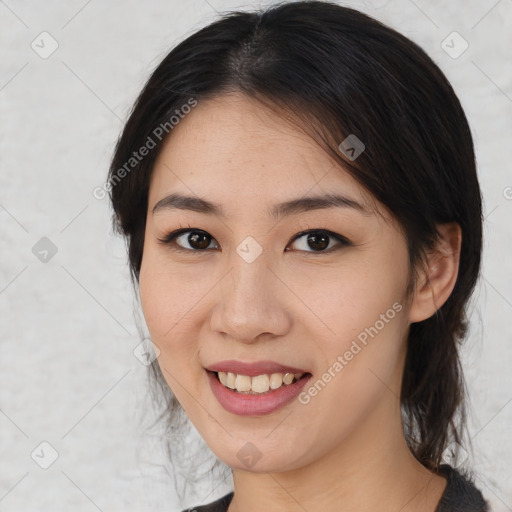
(171, 304)
(345, 301)
(170, 297)
(361, 329)
(360, 373)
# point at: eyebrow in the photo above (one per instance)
(294, 206)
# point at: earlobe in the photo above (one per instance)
(435, 282)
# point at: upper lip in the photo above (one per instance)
(253, 369)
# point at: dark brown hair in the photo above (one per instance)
(339, 72)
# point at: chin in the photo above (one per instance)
(261, 456)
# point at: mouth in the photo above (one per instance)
(255, 389)
(257, 384)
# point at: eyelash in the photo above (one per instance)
(170, 238)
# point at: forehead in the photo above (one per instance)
(235, 149)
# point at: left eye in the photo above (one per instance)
(319, 240)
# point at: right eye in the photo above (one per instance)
(197, 240)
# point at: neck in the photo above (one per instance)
(371, 469)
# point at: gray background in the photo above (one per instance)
(68, 375)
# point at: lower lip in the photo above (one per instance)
(255, 405)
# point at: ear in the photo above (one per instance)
(436, 280)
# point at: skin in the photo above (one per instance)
(345, 449)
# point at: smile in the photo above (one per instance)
(255, 389)
(258, 384)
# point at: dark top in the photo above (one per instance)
(460, 495)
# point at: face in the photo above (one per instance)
(266, 279)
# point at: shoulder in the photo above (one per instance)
(221, 505)
(460, 494)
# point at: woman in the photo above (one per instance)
(303, 216)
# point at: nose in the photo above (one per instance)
(251, 302)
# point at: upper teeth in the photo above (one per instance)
(257, 384)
